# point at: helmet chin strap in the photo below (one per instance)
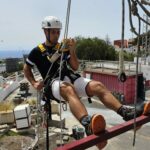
(48, 39)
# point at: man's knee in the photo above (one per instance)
(66, 89)
(100, 86)
(95, 87)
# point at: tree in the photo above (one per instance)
(94, 49)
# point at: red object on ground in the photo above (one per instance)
(110, 80)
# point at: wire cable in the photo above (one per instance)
(136, 81)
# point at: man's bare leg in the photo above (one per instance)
(95, 88)
(127, 112)
(92, 124)
(76, 106)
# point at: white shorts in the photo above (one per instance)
(79, 84)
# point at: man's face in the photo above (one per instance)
(53, 34)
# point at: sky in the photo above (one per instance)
(20, 20)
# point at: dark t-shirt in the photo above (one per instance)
(36, 57)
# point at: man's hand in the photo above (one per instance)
(38, 85)
(71, 44)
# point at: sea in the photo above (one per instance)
(13, 53)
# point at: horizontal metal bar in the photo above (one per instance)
(109, 133)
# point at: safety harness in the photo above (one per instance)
(55, 58)
(47, 92)
(44, 51)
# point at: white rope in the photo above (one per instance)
(121, 73)
(121, 56)
(61, 60)
(38, 106)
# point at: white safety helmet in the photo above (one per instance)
(51, 22)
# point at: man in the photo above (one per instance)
(72, 86)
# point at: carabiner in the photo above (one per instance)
(64, 106)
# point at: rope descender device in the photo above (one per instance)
(122, 77)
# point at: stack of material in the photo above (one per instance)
(22, 116)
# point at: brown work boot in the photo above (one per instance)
(128, 112)
(97, 125)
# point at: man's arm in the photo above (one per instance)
(74, 63)
(29, 75)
